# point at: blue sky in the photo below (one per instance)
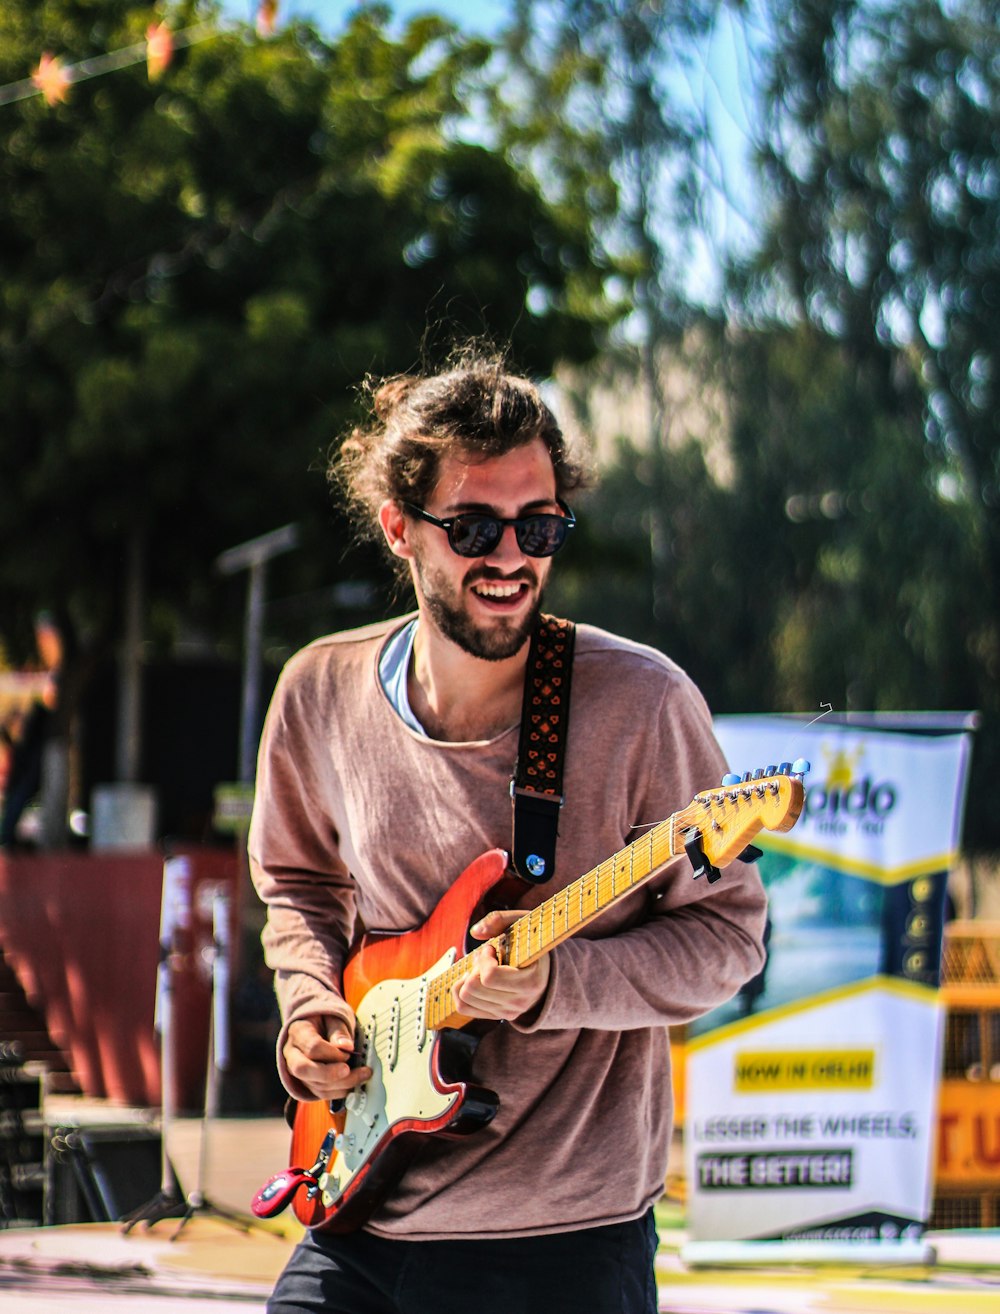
(473, 15)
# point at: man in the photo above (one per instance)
(384, 771)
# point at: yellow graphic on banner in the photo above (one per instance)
(820, 1069)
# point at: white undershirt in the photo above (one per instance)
(393, 671)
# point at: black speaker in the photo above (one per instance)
(100, 1174)
(22, 1142)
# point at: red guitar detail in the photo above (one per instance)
(420, 1049)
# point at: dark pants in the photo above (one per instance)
(600, 1270)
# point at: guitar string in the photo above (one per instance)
(591, 898)
(434, 997)
(531, 924)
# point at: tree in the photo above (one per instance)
(596, 103)
(879, 152)
(197, 272)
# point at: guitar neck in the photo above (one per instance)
(566, 912)
(722, 821)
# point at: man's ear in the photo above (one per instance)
(395, 527)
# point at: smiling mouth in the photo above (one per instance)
(499, 590)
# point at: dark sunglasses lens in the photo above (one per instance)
(540, 536)
(474, 535)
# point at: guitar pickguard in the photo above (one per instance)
(399, 1049)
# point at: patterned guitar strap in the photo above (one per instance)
(537, 786)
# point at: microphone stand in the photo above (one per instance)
(175, 918)
(218, 1062)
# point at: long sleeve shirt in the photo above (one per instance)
(359, 821)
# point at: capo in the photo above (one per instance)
(696, 853)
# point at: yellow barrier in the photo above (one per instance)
(967, 1176)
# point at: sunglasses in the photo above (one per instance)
(477, 533)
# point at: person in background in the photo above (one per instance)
(28, 739)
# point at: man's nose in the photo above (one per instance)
(507, 547)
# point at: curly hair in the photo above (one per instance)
(475, 408)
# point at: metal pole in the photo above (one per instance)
(250, 705)
(128, 746)
(253, 557)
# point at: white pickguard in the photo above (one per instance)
(398, 1048)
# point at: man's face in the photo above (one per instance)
(486, 605)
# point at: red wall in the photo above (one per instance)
(82, 931)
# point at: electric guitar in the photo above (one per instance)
(420, 1048)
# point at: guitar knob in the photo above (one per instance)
(356, 1099)
(730, 778)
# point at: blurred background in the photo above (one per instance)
(751, 246)
(755, 249)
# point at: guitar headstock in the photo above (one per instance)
(728, 818)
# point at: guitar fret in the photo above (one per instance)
(583, 899)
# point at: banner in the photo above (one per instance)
(811, 1096)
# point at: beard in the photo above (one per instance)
(493, 643)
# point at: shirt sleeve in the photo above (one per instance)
(694, 944)
(296, 867)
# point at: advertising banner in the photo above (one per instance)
(811, 1096)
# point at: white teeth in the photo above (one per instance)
(498, 590)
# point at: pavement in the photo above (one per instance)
(219, 1254)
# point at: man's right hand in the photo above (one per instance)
(322, 1065)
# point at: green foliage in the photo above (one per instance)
(850, 553)
(882, 160)
(593, 105)
(196, 273)
(880, 155)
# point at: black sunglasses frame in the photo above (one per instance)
(520, 525)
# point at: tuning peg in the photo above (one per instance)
(758, 774)
(730, 779)
(800, 767)
(784, 769)
(769, 771)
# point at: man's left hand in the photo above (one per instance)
(493, 991)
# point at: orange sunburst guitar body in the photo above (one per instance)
(417, 1084)
(420, 1049)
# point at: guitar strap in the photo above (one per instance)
(537, 786)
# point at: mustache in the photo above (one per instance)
(490, 575)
